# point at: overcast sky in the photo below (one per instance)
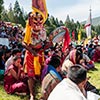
(77, 9)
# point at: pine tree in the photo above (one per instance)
(1, 7)
(19, 14)
(11, 13)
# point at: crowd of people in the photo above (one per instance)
(12, 32)
(55, 68)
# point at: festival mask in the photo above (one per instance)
(36, 21)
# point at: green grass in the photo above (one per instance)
(5, 96)
(95, 76)
(95, 80)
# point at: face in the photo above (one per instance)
(36, 21)
(18, 54)
(3, 57)
(59, 68)
(8, 54)
(17, 62)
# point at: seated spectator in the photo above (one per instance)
(2, 65)
(75, 57)
(96, 56)
(72, 87)
(7, 54)
(3, 34)
(92, 52)
(90, 48)
(89, 64)
(52, 78)
(15, 52)
(15, 80)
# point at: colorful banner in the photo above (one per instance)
(79, 37)
(40, 7)
(67, 40)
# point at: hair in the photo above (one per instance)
(90, 46)
(79, 55)
(79, 48)
(77, 73)
(55, 61)
(1, 53)
(75, 56)
(15, 51)
(29, 14)
(16, 57)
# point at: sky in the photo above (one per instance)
(76, 9)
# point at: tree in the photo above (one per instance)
(17, 11)
(4, 16)
(51, 24)
(11, 13)
(72, 20)
(97, 29)
(18, 14)
(1, 7)
(67, 19)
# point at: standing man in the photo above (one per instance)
(33, 42)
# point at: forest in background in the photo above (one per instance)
(17, 15)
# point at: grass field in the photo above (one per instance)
(95, 76)
(95, 80)
(5, 96)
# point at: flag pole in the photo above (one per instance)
(90, 23)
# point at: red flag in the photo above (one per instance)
(67, 40)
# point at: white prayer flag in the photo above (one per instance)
(88, 27)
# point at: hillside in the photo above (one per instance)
(95, 21)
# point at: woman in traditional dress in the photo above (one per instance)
(15, 80)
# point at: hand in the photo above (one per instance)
(22, 75)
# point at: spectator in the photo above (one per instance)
(14, 78)
(71, 88)
(7, 54)
(90, 48)
(89, 64)
(52, 78)
(2, 65)
(96, 56)
(15, 52)
(76, 57)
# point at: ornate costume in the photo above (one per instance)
(34, 37)
(33, 62)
